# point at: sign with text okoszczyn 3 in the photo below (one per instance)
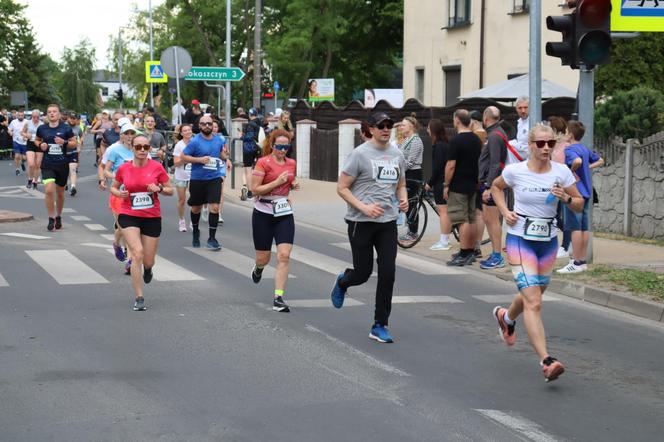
(637, 16)
(154, 73)
(213, 73)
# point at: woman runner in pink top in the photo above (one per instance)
(272, 221)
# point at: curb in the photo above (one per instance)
(7, 216)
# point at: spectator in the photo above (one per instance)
(413, 150)
(177, 113)
(436, 183)
(5, 138)
(559, 126)
(520, 143)
(284, 123)
(193, 114)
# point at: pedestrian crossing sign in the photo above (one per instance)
(154, 73)
(637, 16)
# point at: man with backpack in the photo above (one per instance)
(250, 150)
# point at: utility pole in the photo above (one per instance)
(587, 117)
(228, 64)
(120, 68)
(535, 64)
(257, 54)
(151, 54)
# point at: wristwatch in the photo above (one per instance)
(161, 187)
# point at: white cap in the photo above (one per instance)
(127, 127)
(124, 120)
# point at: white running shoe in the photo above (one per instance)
(182, 225)
(573, 268)
(562, 253)
(205, 214)
(221, 220)
(440, 246)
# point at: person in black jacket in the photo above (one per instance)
(436, 131)
(5, 138)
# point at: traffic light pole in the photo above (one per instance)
(535, 64)
(587, 117)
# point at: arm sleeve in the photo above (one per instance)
(352, 165)
(414, 153)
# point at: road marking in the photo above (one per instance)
(318, 260)
(95, 227)
(99, 245)
(19, 192)
(68, 209)
(425, 299)
(80, 218)
(108, 236)
(366, 357)
(234, 261)
(503, 299)
(418, 265)
(165, 270)
(518, 424)
(25, 235)
(65, 268)
(3, 281)
(318, 303)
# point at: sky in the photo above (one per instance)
(62, 23)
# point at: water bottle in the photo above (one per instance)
(551, 198)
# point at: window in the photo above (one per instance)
(520, 6)
(419, 84)
(459, 13)
(104, 91)
(452, 76)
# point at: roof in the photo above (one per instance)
(514, 88)
(104, 76)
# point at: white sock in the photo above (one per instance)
(444, 238)
(507, 319)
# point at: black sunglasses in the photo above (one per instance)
(205, 123)
(383, 125)
(143, 147)
(540, 143)
(282, 146)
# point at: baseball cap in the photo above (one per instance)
(253, 112)
(476, 115)
(123, 121)
(127, 127)
(378, 118)
(195, 102)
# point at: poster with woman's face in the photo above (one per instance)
(320, 89)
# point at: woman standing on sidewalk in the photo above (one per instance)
(142, 180)
(182, 171)
(413, 150)
(272, 220)
(532, 240)
(436, 131)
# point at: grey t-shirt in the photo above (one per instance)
(377, 173)
(157, 141)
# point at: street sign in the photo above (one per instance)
(214, 73)
(176, 61)
(154, 73)
(637, 16)
(276, 86)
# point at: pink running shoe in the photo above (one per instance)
(506, 332)
(552, 368)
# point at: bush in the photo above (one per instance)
(636, 113)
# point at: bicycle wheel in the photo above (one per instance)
(417, 221)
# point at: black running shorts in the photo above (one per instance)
(148, 226)
(57, 173)
(267, 228)
(204, 192)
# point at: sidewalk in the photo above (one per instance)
(318, 204)
(7, 216)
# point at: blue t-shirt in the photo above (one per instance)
(574, 151)
(201, 147)
(55, 154)
(118, 155)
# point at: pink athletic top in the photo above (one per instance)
(141, 203)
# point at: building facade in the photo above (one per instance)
(453, 47)
(108, 85)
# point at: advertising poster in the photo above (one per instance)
(320, 89)
(392, 96)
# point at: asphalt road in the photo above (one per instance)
(209, 360)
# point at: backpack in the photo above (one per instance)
(249, 144)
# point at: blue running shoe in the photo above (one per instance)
(494, 261)
(196, 239)
(119, 253)
(379, 333)
(213, 244)
(338, 294)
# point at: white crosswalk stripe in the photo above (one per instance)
(24, 235)
(108, 236)
(165, 270)
(234, 261)
(318, 260)
(321, 303)
(95, 227)
(425, 300)
(3, 281)
(80, 218)
(65, 268)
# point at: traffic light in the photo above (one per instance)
(565, 49)
(119, 95)
(155, 89)
(592, 32)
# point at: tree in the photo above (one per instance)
(633, 61)
(77, 86)
(636, 113)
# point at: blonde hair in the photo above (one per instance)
(540, 128)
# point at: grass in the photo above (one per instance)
(617, 237)
(640, 282)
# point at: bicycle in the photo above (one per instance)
(420, 217)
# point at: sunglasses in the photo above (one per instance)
(143, 147)
(387, 125)
(540, 143)
(205, 124)
(282, 146)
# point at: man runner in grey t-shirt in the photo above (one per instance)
(373, 183)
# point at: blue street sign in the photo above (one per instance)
(277, 86)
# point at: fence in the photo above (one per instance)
(630, 187)
(324, 154)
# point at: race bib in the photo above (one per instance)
(281, 207)
(211, 164)
(387, 174)
(154, 152)
(54, 149)
(141, 201)
(537, 229)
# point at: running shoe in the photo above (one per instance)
(256, 274)
(18, 172)
(221, 220)
(147, 274)
(552, 368)
(379, 333)
(205, 214)
(459, 260)
(505, 331)
(34, 184)
(408, 237)
(119, 253)
(478, 253)
(243, 193)
(23, 166)
(279, 305)
(440, 246)
(494, 261)
(51, 224)
(139, 304)
(58, 222)
(182, 225)
(572, 267)
(472, 258)
(213, 244)
(196, 239)
(338, 294)
(29, 185)
(73, 191)
(127, 270)
(249, 194)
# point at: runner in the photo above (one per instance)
(19, 144)
(101, 125)
(157, 140)
(54, 138)
(532, 241)
(373, 184)
(140, 213)
(204, 152)
(272, 219)
(73, 157)
(33, 153)
(182, 172)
